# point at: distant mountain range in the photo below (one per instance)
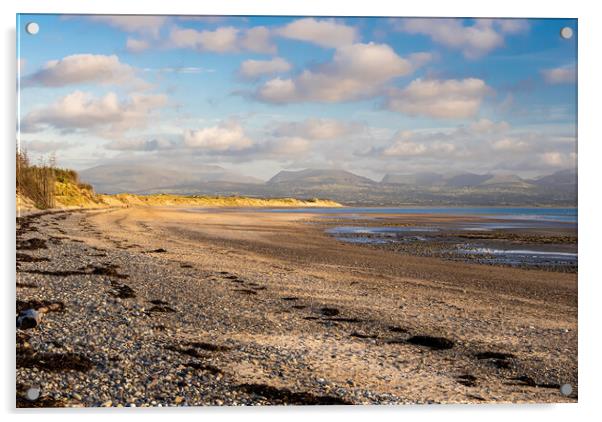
(140, 178)
(458, 180)
(559, 188)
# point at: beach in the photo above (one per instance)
(151, 306)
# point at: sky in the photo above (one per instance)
(257, 95)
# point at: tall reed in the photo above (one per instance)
(36, 181)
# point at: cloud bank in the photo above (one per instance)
(325, 32)
(355, 72)
(83, 68)
(448, 99)
(560, 75)
(223, 40)
(474, 40)
(253, 69)
(105, 115)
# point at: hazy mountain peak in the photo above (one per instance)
(416, 179)
(319, 176)
(145, 178)
(559, 178)
(467, 179)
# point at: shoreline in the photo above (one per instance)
(251, 308)
(79, 199)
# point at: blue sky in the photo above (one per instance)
(262, 94)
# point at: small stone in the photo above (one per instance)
(108, 403)
(179, 399)
(29, 318)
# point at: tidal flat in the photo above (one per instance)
(545, 244)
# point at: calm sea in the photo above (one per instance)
(567, 215)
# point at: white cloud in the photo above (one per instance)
(420, 59)
(83, 68)
(325, 32)
(277, 91)
(222, 40)
(206, 19)
(45, 146)
(285, 141)
(257, 40)
(510, 144)
(226, 137)
(150, 25)
(560, 75)
(140, 144)
(474, 40)
(290, 146)
(449, 99)
(252, 69)
(105, 116)
(512, 26)
(481, 146)
(558, 159)
(356, 71)
(316, 129)
(405, 148)
(488, 126)
(408, 144)
(186, 69)
(134, 45)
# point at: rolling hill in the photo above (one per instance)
(141, 178)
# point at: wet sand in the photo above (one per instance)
(290, 314)
(529, 244)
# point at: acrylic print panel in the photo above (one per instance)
(226, 210)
